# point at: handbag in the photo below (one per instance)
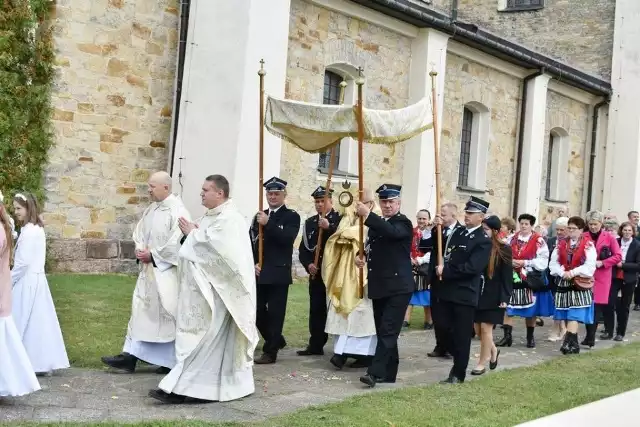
(535, 280)
(422, 270)
(583, 283)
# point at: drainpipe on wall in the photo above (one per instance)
(592, 161)
(454, 11)
(523, 111)
(185, 7)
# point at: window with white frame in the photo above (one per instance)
(346, 153)
(557, 166)
(474, 146)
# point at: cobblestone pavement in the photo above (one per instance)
(294, 382)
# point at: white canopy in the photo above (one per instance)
(315, 128)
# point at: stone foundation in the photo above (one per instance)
(92, 256)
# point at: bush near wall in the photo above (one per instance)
(26, 76)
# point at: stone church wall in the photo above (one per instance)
(579, 33)
(467, 82)
(318, 39)
(113, 100)
(573, 117)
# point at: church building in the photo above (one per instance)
(536, 102)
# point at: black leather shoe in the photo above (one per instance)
(531, 342)
(309, 352)
(493, 365)
(619, 338)
(169, 398)
(338, 361)
(123, 361)
(539, 322)
(439, 353)
(283, 343)
(606, 336)
(405, 324)
(478, 371)
(428, 326)
(452, 380)
(370, 380)
(265, 359)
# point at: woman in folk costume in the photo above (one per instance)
(33, 309)
(494, 295)
(573, 261)
(349, 318)
(420, 259)
(531, 296)
(16, 373)
(609, 255)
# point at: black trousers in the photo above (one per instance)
(601, 310)
(317, 314)
(270, 313)
(636, 295)
(620, 309)
(388, 314)
(458, 320)
(440, 327)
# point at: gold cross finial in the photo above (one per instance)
(262, 72)
(360, 70)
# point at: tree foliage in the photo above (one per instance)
(26, 78)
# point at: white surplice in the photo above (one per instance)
(17, 377)
(33, 310)
(152, 327)
(216, 333)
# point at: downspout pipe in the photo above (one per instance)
(454, 11)
(185, 8)
(523, 112)
(593, 154)
(422, 16)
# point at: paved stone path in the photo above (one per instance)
(293, 383)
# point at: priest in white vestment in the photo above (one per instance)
(152, 327)
(216, 332)
(349, 318)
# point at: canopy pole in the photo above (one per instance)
(360, 84)
(436, 157)
(261, 74)
(332, 159)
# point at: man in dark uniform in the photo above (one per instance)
(466, 256)
(307, 253)
(448, 219)
(389, 279)
(280, 227)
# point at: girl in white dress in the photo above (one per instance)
(33, 309)
(16, 373)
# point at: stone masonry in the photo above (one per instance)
(579, 33)
(318, 39)
(113, 100)
(573, 117)
(466, 82)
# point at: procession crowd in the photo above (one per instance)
(208, 289)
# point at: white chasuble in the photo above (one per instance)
(216, 333)
(155, 297)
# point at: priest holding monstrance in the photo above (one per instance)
(390, 279)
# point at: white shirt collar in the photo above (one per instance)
(471, 230)
(272, 211)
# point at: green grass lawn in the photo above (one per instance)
(94, 311)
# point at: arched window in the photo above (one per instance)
(557, 165)
(474, 146)
(331, 96)
(346, 153)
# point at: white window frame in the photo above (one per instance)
(478, 156)
(557, 177)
